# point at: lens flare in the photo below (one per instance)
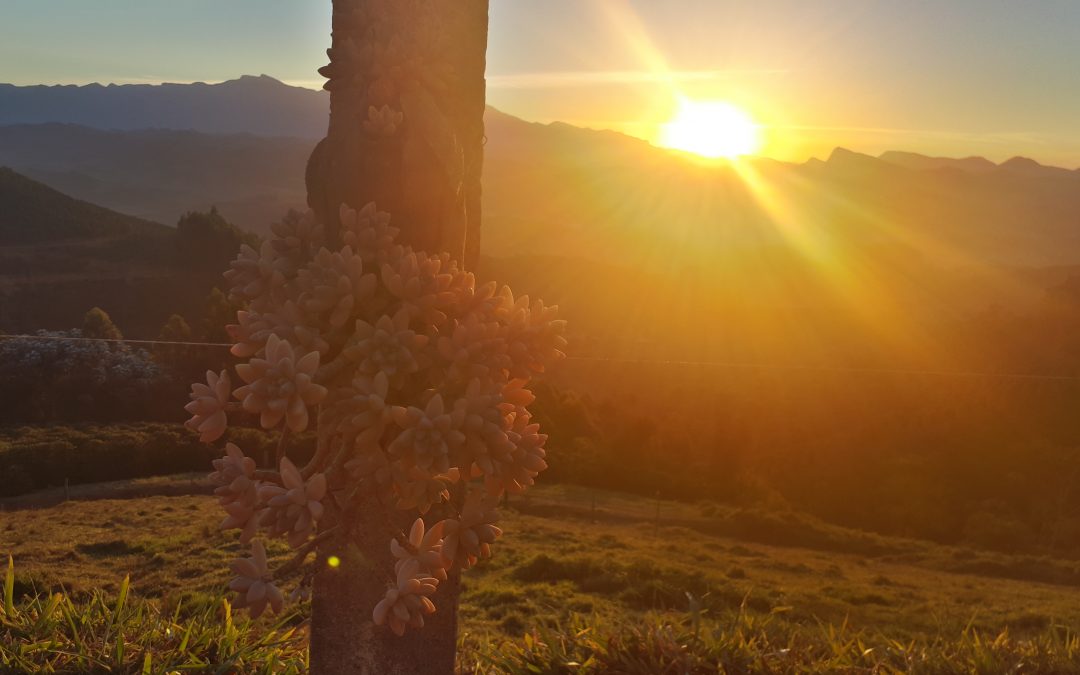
(711, 129)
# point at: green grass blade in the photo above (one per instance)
(119, 650)
(187, 636)
(121, 598)
(9, 588)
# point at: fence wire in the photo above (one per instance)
(726, 365)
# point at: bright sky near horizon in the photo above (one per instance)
(989, 77)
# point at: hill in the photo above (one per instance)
(548, 188)
(617, 601)
(161, 174)
(60, 256)
(584, 187)
(31, 212)
(852, 248)
(594, 184)
(772, 321)
(759, 242)
(256, 105)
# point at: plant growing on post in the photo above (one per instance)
(415, 381)
(423, 372)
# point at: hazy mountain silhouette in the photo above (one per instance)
(913, 160)
(860, 259)
(553, 188)
(613, 194)
(160, 174)
(31, 212)
(60, 256)
(548, 188)
(598, 221)
(256, 105)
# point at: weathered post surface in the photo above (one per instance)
(406, 79)
(406, 131)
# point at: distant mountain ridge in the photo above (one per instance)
(918, 162)
(914, 160)
(607, 225)
(549, 188)
(264, 106)
(260, 105)
(554, 188)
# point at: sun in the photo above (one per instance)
(711, 129)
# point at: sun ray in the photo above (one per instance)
(711, 129)
(850, 279)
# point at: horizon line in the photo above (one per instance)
(587, 78)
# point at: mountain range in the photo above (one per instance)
(260, 106)
(632, 239)
(158, 151)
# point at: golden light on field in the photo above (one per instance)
(711, 129)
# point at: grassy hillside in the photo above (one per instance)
(160, 174)
(60, 256)
(32, 212)
(850, 247)
(553, 188)
(603, 561)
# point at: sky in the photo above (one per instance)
(965, 77)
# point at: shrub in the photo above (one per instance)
(46, 379)
(37, 458)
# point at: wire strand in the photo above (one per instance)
(733, 365)
(71, 338)
(729, 365)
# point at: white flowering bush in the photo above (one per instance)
(62, 375)
(415, 381)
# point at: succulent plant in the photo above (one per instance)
(333, 284)
(406, 603)
(369, 233)
(207, 407)
(469, 538)
(388, 347)
(428, 436)
(253, 585)
(293, 508)
(237, 491)
(382, 121)
(255, 276)
(416, 383)
(280, 385)
(422, 545)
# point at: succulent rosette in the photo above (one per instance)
(237, 491)
(294, 507)
(469, 538)
(413, 382)
(429, 436)
(280, 385)
(388, 347)
(207, 407)
(253, 584)
(408, 601)
(255, 278)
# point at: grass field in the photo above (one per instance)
(572, 556)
